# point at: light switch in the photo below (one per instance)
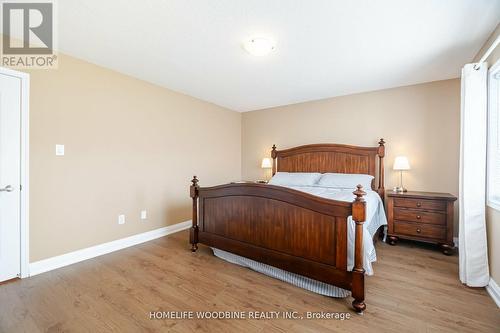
(144, 215)
(121, 219)
(59, 150)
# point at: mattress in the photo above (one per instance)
(375, 218)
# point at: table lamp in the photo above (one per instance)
(401, 164)
(266, 164)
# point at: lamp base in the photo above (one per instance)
(399, 189)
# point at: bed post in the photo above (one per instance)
(274, 154)
(193, 232)
(381, 154)
(358, 272)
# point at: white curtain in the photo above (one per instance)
(473, 251)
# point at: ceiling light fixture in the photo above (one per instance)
(259, 46)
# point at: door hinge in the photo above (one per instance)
(20, 187)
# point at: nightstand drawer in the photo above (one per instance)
(419, 230)
(419, 216)
(420, 204)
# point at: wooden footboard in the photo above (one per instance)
(284, 228)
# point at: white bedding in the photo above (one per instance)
(375, 217)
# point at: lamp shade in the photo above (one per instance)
(401, 163)
(266, 163)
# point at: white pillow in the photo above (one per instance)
(295, 178)
(345, 180)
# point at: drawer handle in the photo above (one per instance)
(419, 217)
(418, 230)
(419, 204)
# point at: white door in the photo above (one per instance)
(10, 176)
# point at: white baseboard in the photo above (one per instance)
(49, 264)
(494, 290)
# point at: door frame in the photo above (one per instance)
(24, 181)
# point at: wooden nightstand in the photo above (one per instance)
(421, 216)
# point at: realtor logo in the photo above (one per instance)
(28, 34)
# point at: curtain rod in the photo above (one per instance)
(487, 53)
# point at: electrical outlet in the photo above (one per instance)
(59, 150)
(144, 215)
(121, 219)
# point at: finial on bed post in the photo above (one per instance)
(358, 272)
(381, 178)
(274, 154)
(195, 181)
(193, 232)
(359, 193)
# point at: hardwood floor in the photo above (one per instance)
(415, 289)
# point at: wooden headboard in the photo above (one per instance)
(333, 158)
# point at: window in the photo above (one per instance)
(493, 180)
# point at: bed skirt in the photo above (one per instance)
(292, 278)
(297, 280)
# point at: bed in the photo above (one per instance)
(302, 232)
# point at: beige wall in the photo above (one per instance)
(420, 121)
(493, 215)
(493, 230)
(130, 145)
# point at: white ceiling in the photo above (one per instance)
(325, 48)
